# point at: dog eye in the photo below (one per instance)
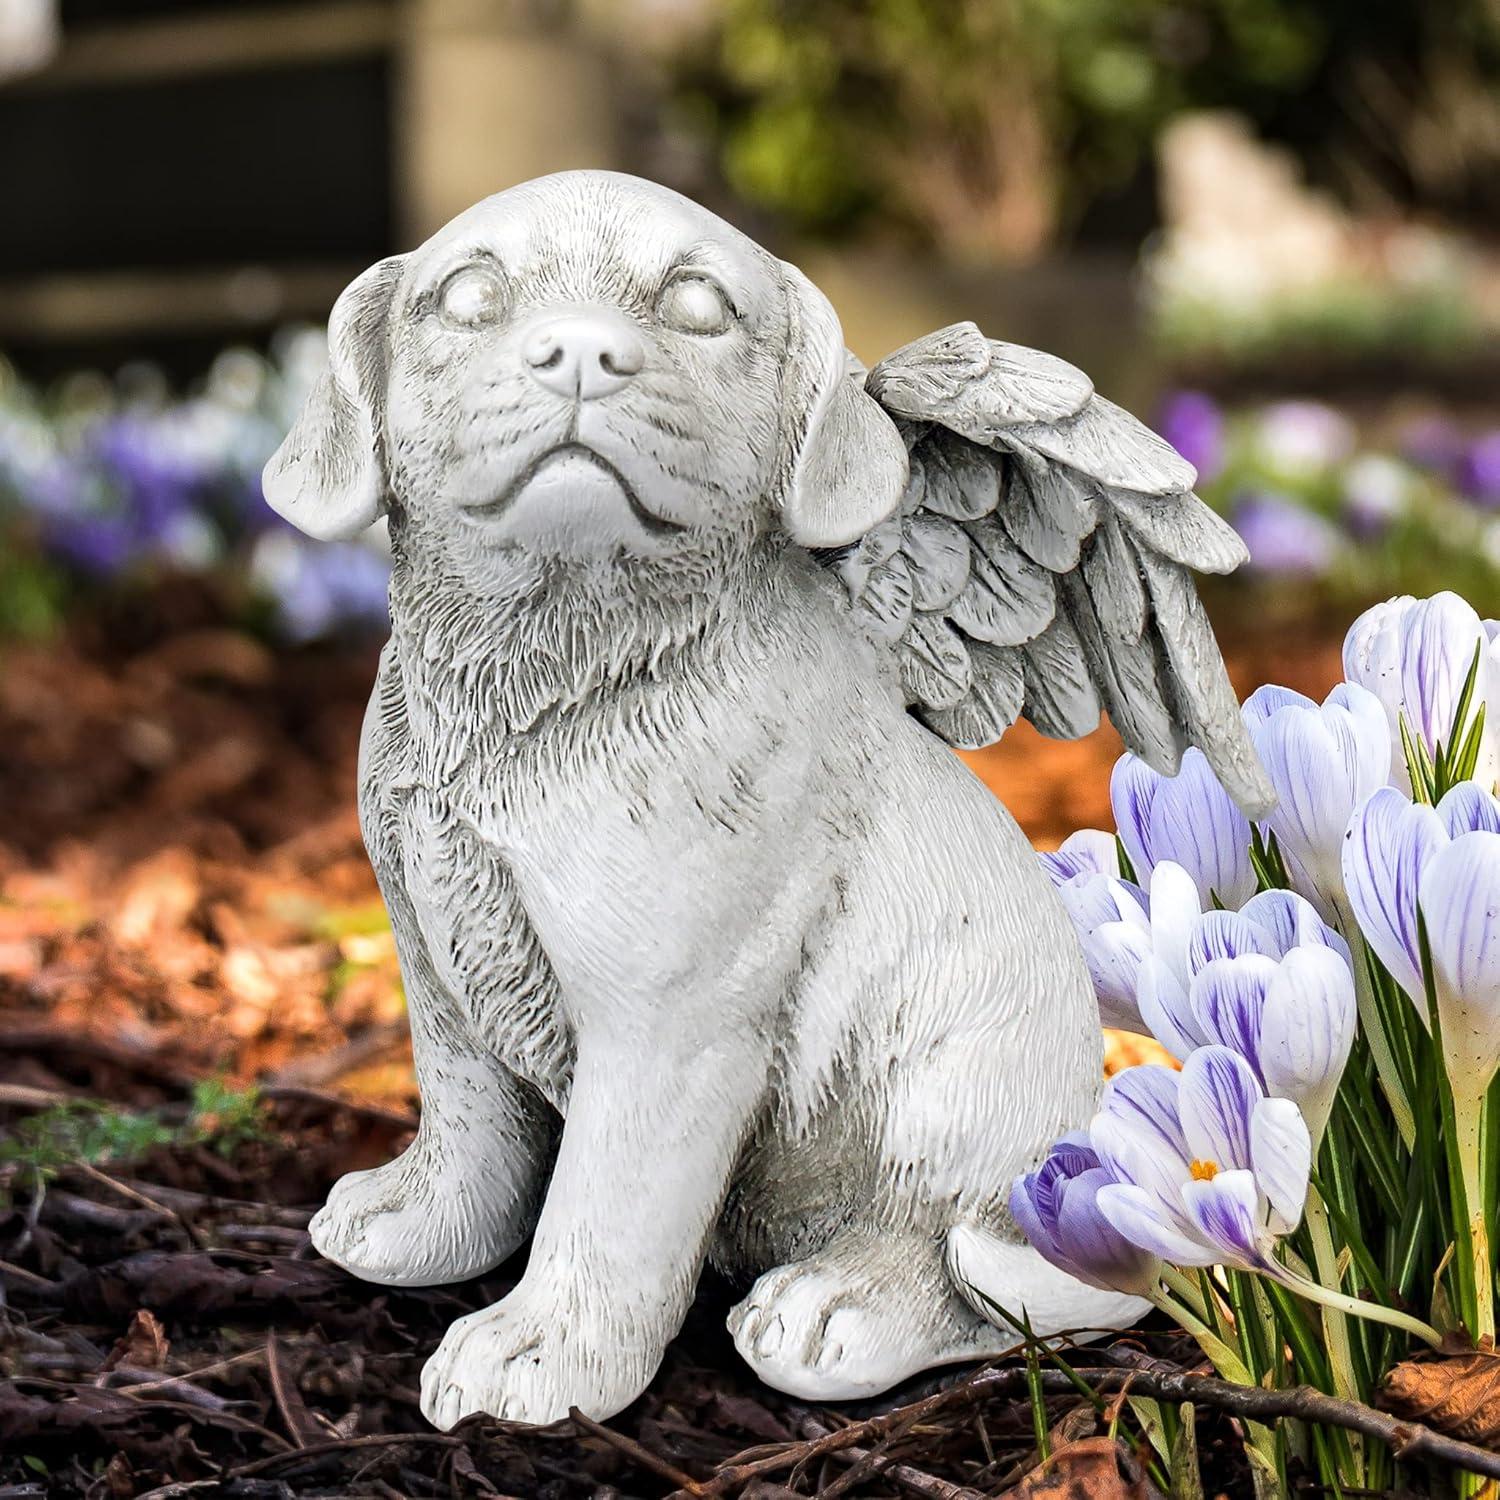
(693, 304)
(471, 297)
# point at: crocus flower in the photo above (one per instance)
(1089, 851)
(1120, 929)
(1323, 762)
(1399, 859)
(1415, 656)
(1187, 818)
(1272, 982)
(1460, 900)
(1193, 424)
(1207, 1170)
(1055, 1208)
(1114, 930)
(1285, 538)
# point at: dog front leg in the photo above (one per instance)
(653, 1131)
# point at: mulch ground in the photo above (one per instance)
(183, 892)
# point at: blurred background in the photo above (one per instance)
(1270, 227)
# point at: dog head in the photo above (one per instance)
(587, 366)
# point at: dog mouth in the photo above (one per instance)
(577, 463)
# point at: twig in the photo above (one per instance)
(30, 1278)
(337, 1445)
(685, 1483)
(184, 1377)
(1407, 1440)
(22, 1096)
(135, 1195)
(288, 1399)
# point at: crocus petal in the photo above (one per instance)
(1136, 1130)
(1175, 908)
(1267, 700)
(1096, 1251)
(1093, 900)
(1389, 843)
(1137, 1215)
(1115, 953)
(1133, 786)
(1226, 934)
(1195, 822)
(1224, 1210)
(1307, 1024)
(1460, 898)
(1415, 655)
(1468, 808)
(1289, 921)
(1228, 996)
(1089, 851)
(1215, 1099)
(1165, 1010)
(1322, 763)
(1281, 1159)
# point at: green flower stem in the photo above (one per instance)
(1260, 1441)
(1335, 1324)
(1468, 1130)
(1376, 1312)
(1224, 1359)
(1374, 1031)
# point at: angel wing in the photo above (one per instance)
(1040, 562)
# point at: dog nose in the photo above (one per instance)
(583, 356)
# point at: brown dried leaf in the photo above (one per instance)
(143, 1345)
(1096, 1468)
(1458, 1395)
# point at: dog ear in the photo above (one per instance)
(328, 476)
(845, 465)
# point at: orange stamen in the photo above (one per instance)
(1203, 1171)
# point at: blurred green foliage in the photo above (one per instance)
(985, 127)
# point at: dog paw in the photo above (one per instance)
(417, 1221)
(837, 1327)
(525, 1364)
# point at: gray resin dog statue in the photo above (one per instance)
(711, 946)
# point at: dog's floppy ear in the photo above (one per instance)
(844, 465)
(328, 478)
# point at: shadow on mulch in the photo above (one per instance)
(168, 1330)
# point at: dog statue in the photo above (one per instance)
(711, 947)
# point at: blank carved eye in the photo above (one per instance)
(471, 297)
(694, 304)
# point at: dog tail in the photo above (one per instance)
(992, 1273)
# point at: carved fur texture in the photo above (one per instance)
(712, 948)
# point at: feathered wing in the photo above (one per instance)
(1041, 562)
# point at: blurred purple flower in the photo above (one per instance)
(319, 587)
(1285, 537)
(1433, 443)
(96, 545)
(1479, 471)
(1193, 424)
